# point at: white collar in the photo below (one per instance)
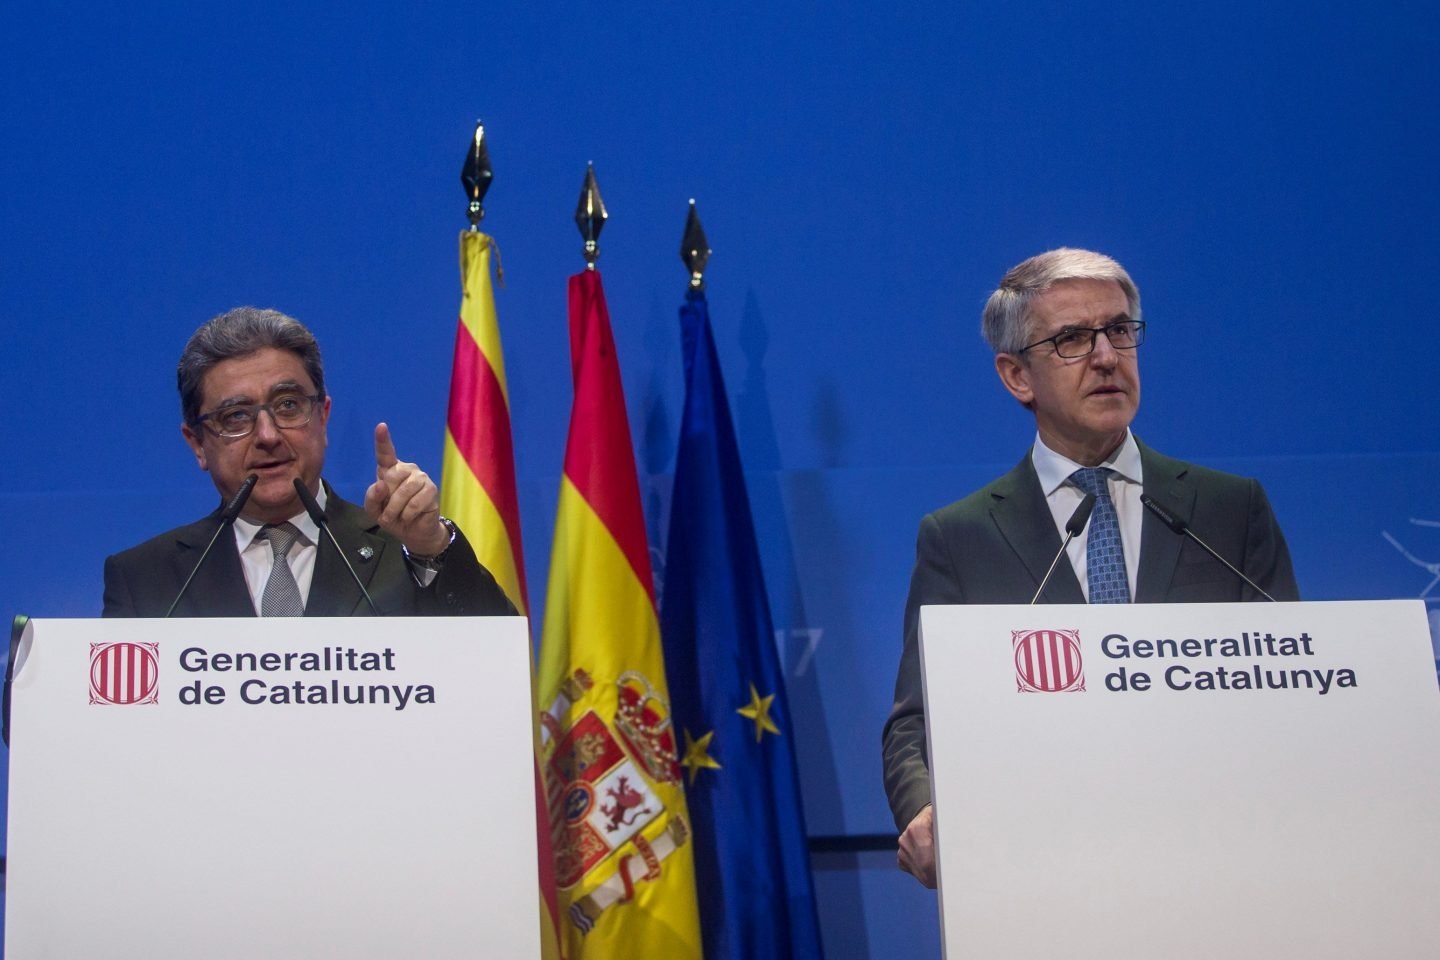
(247, 530)
(1054, 469)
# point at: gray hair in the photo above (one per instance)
(1006, 321)
(239, 333)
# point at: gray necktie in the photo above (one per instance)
(282, 595)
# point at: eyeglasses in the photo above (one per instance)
(1080, 341)
(289, 411)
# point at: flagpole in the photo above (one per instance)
(590, 216)
(695, 249)
(476, 174)
(477, 487)
(625, 865)
(725, 678)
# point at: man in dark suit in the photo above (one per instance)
(1065, 327)
(252, 394)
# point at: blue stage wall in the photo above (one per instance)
(865, 174)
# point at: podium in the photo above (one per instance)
(1185, 780)
(272, 788)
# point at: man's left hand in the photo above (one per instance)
(405, 501)
(917, 847)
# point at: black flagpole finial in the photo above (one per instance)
(476, 175)
(695, 249)
(590, 216)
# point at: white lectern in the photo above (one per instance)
(279, 788)
(1185, 780)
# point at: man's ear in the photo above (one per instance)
(195, 440)
(1015, 375)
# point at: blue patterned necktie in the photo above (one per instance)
(1104, 552)
(282, 595)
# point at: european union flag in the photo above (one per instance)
(731, 720)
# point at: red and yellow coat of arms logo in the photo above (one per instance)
(122, 674)
(604, 783)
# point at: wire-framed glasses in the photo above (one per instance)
(1080, 341)
(289, 411)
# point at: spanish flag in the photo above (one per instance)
(477, 486)
(624, 862)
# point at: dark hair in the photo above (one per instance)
(239, 333)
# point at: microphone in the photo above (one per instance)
(323, 522)
(1073, 526)
(227, 517)
(1181, 527)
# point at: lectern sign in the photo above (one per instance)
(1214, 780)
(293, 787)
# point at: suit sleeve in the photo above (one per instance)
(1267, 557)
(935, 580)
(118, 602)
(463, 587)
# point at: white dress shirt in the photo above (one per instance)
(258, 559)
(1126, 484)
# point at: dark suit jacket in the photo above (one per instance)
(995, 545)
(143, 581)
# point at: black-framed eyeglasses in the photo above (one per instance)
(1080, 341)
(289, 411)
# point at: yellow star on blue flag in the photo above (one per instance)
(697, 755)
(758, 709)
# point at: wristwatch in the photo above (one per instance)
(439, 558)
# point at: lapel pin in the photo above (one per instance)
(366, 553)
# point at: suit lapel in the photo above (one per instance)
(1022, 515)
(332, 590)
(1166, 482)
(219, 588)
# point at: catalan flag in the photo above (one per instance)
(623, 856)
(477, 479)
(752, 860)
(477, 487)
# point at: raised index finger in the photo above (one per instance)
(384, 447)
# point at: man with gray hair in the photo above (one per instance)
(1065, 327)
(253, 404)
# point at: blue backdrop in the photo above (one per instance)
(865, 173)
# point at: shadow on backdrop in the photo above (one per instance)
(798, 634)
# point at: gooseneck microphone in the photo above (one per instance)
(1181, 527)
(227, 518)
(1073, 526)
(323, 522)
